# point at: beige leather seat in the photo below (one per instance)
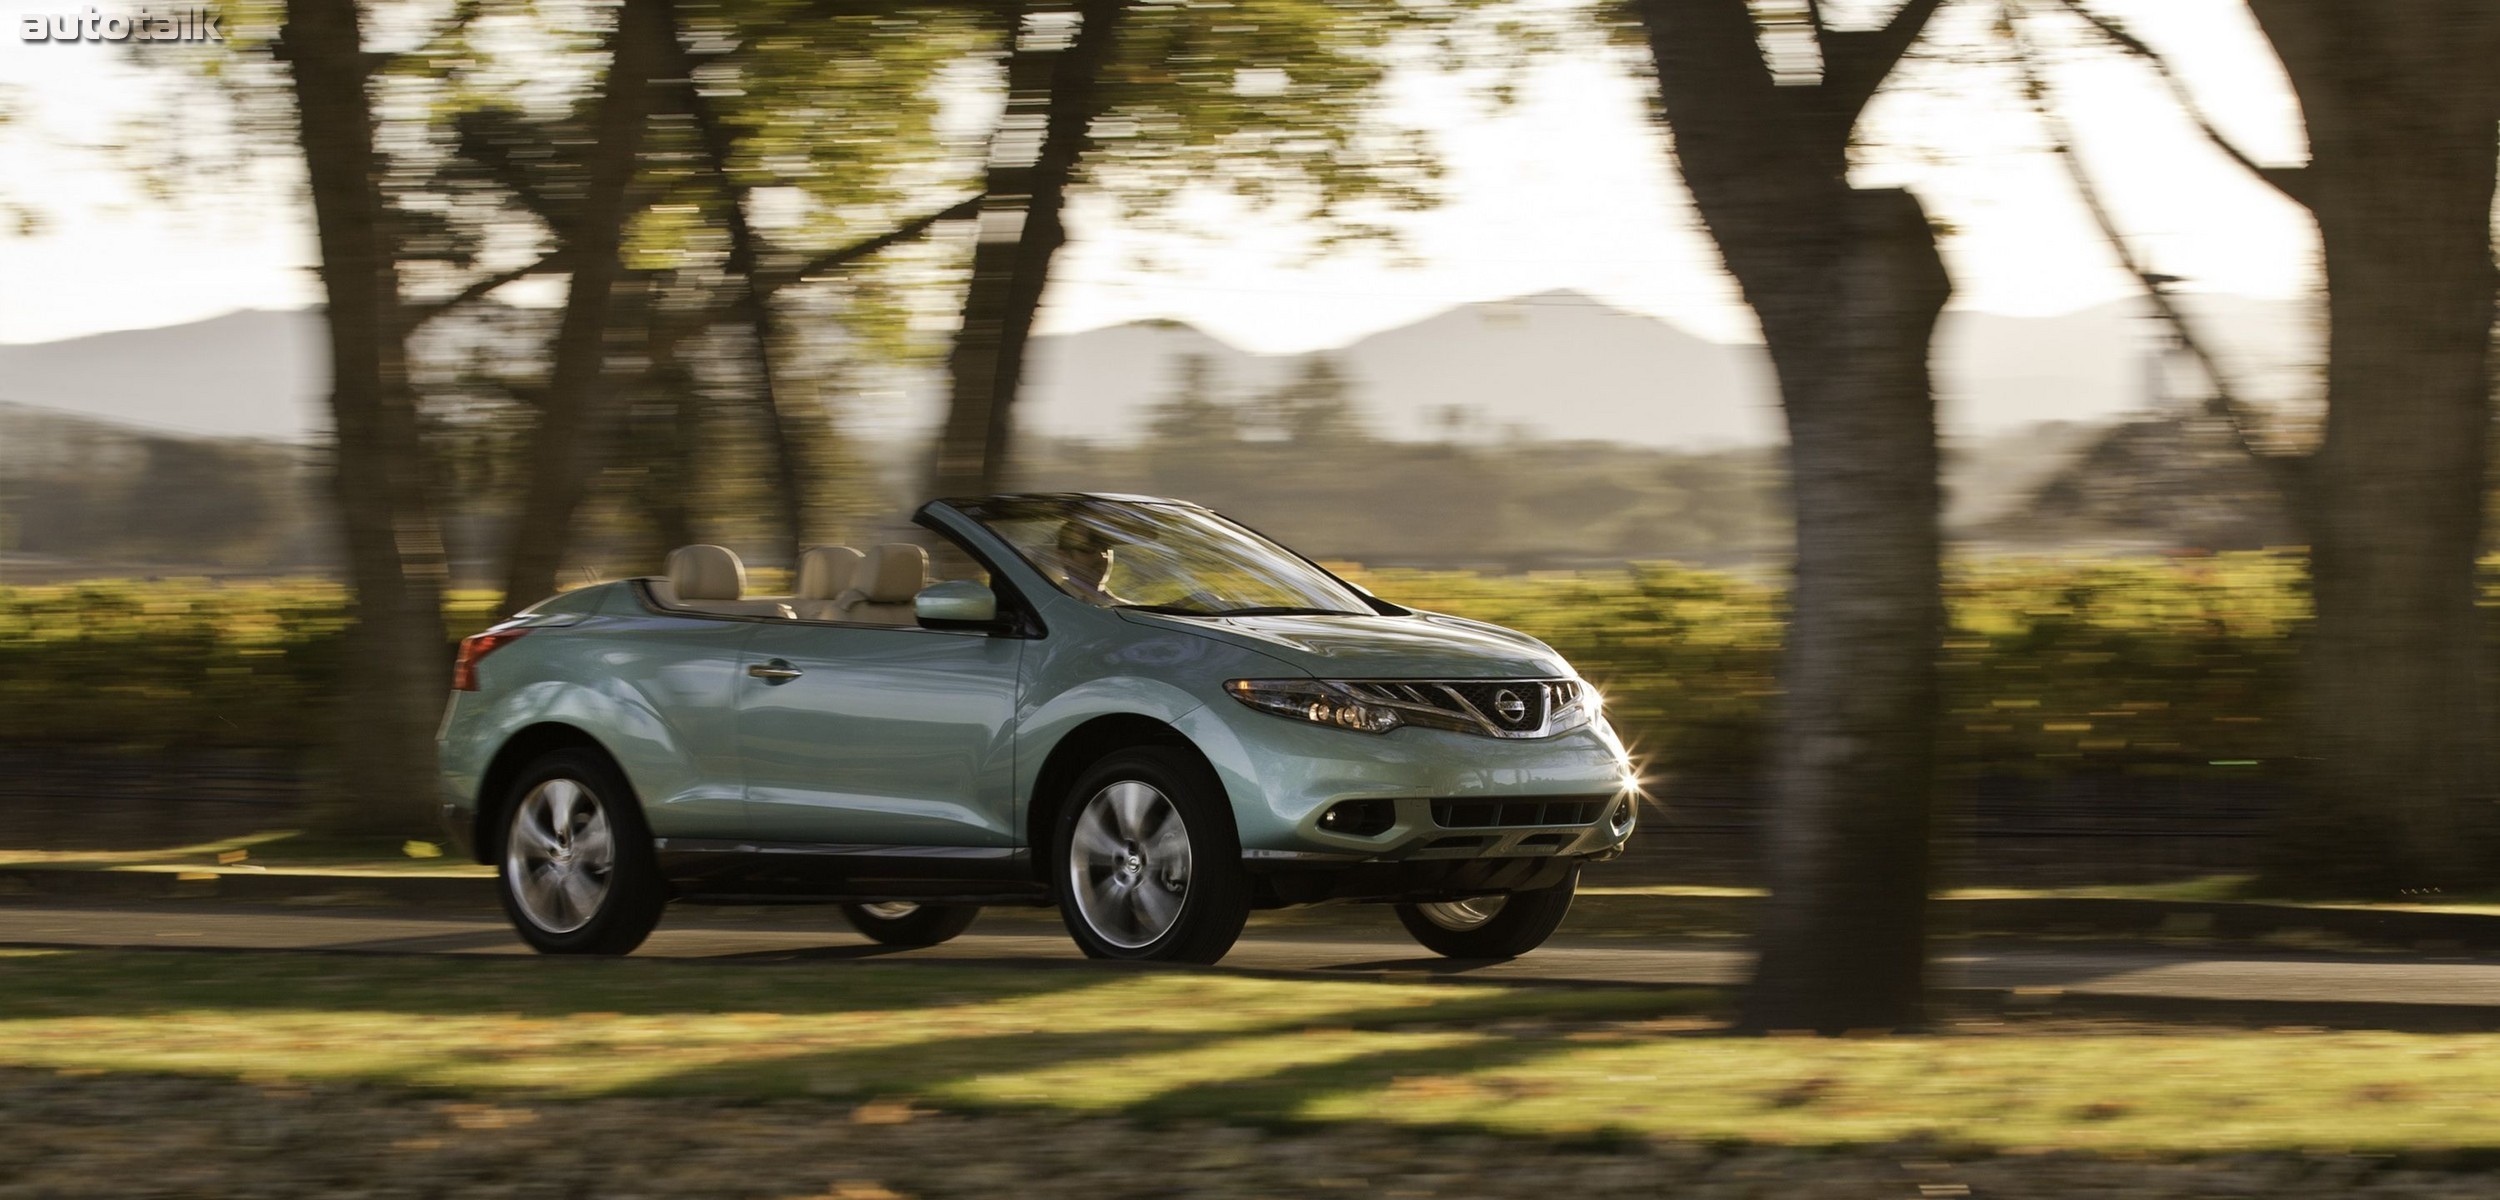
(710, 579)
(881, 594)
(825, 572)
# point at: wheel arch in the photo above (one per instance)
(526, 745)
(1082, 747)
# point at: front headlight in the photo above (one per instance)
(1317, 701)
(1524, 708)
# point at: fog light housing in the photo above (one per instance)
(1359, 818)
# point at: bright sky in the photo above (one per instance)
(1570, 188)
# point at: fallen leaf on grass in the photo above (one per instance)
(884, 1112)
(1803, 1092)
(487, 1116)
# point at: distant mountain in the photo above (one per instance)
(245, 374)
(1998, 373)
(1559, 366)
(1566, 366)
(1563, 366)
(1555, 366)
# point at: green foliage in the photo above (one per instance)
(1684, 657)
(2050, 667)
(1276, 101)
(2120, 664)
(178, 663)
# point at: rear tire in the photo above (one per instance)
(906, 924)
(1146, 861)
(574, 864)
(1491, 926)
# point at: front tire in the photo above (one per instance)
(901, 923)
(1490, 926)
(574, 865)
(1147, 861)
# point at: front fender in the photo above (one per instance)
(1040, 730)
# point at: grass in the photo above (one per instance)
(1167, 1045)
(2232, 888)
(272, 851)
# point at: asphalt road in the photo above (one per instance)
(1368, 944)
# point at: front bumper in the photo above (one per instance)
(1454, 797)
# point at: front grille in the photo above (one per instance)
(1506, 706)
(1515, 707)
(1497, 814)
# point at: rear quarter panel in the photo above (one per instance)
(658, 692)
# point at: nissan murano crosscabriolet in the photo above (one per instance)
(1131, 708)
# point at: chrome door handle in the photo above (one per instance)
(775, 671)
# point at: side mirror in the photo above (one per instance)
(956, 604)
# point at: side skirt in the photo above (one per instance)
(744, 872)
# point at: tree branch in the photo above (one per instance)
(908, 231)
(1856, 61)
(2287, 180)
(419, 314)
(2283, 470)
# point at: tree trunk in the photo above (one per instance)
(1843, 935)
(2401, 104)
(672, 435)
(1848, 285)
(561, 455)
(1056, 90)
(398, 664)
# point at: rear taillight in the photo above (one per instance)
(473, 650)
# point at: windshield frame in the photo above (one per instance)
(982, 511)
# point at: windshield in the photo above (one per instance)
(1162, 558)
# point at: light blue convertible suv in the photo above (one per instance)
(1132, 708)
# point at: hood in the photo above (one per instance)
(1419, 646)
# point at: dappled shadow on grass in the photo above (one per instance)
(1162, 1046)
(986, 1036)
(103, 983)
(1268, 1072)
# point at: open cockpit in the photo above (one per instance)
(834, 583)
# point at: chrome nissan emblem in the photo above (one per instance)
(1508, 705)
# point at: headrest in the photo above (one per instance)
(825, 572)
(706, 573)
(894, 574)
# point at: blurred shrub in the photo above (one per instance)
(2050, 666)
(177, 663)
(1684, 657)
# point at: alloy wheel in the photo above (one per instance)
(560, 855)
(1459, 916)
(1129, 864)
